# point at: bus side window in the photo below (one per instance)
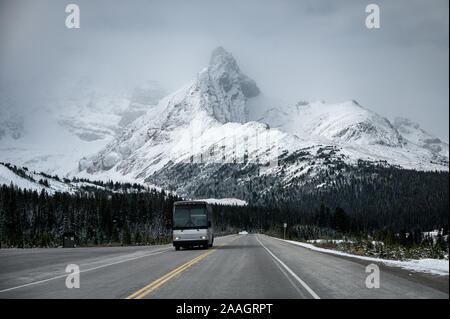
(210, 215)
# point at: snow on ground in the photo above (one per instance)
(226, 201)
(9, 177)
(428, 265)
(321, 241)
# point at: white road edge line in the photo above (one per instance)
(311, 292)
(81, 271)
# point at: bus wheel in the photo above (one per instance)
(177, 247)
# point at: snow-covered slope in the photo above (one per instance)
(30, 180)
(415, 135)
(343, 123)
(24, 178)
(361, 133)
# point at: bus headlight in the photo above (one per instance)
(203, 237)
(177, 238)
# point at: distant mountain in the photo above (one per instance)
(344, 123)
(53, 131)
(417, 136)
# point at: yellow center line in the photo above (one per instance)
(158, 280)
(155, 284)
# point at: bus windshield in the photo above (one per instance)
(192, 216)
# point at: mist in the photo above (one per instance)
(294, 50)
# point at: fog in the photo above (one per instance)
(295, 50)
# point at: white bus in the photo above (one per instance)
(192, 224)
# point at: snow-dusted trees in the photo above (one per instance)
(30, 219)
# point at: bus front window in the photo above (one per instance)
(190, 217)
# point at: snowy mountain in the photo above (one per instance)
(56, 129)
(208, 113)
(344, 123)
(220, 119)
(417, 136)
(361, 133)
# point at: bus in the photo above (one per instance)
(192, 224)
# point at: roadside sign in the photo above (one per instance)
(284, 225)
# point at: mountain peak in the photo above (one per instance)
(221, 57)
(224, 69)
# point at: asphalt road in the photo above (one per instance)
(238, 266)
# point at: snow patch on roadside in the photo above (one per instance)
(226, 201)
(321, 241)
(428, 265)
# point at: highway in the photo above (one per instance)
(238, 267)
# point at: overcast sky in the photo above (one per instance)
(296, 50)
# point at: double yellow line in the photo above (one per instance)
(158, 282)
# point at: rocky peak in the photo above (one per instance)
(223, 61)
(226, 88)
(224, 69)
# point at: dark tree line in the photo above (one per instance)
(30, 219)
(374, 197)
(324, 223)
